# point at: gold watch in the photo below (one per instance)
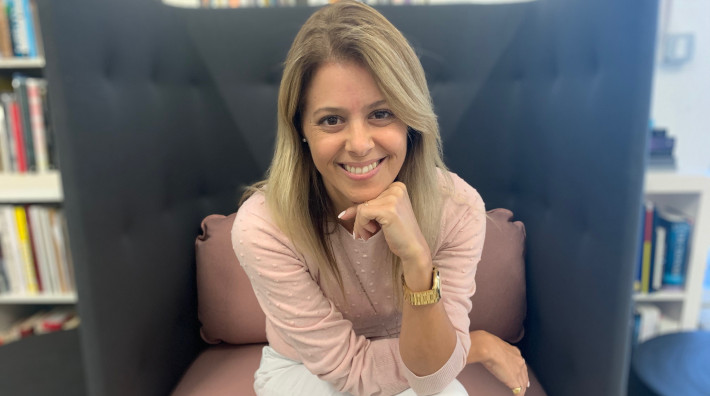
(431, 296)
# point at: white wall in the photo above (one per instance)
(681, 97)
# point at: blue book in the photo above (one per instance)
(678, 230)
(22, 28)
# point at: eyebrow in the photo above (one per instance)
(338, 109)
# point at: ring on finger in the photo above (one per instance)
(517, 390)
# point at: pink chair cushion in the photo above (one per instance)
(226, 370)
(229, 312)
(226, 305)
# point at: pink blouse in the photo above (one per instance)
(352, 342)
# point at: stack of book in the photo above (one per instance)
(665, 242)
(18, 34)
(661, 150)
(25, 143)
(292, 3)
(40, 323)
(34, 252)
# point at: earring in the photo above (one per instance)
(304, 140)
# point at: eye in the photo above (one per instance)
(330, 120)
(381, 114)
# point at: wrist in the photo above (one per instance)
(479, 352)
(418, 276)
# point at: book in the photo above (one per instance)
(677, 240)
(5, 37)
(19, 85)
(21, 28)
(11, 249)
(61, 243)
(646, 269)
(15, 124)
(659, 256)
(5, 155)
(38, 248)
(26, 249)
(4, 282)
(35, 87)
(6, 99)
(639, 259)
(51, 254)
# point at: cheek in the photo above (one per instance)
(322, 151)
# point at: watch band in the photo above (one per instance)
(431, 296)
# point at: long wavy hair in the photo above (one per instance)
(349, 31)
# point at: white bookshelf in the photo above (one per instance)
(66, 298)
(21, 188)
(690, 194)
(31, 187)
(22, 63)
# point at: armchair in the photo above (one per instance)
(162, 114)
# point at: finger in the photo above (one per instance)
(348, 213)
(524, 381)
(365, 225)
(371, 226)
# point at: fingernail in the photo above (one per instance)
(354, 235)
(528, 384)
(342, 214)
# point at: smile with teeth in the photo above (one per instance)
(364, 169)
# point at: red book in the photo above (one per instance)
(16, 124)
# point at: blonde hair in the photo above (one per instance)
(349, 31)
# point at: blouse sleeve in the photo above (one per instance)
(301, 319)
(459, 251)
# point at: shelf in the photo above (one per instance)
(31, 187)
(21, 63)
(66, 298)
(661, 296)
(659, 182)
(688, 193)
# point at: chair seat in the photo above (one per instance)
(222, 370)
(229, 370)
(480, 382)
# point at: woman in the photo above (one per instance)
(361, 247)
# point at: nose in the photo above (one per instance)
(359, 141)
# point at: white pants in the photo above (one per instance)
(280, 376)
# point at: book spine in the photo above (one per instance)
(7, 99)
(29, 28)
(37, 123)
(50, 251)
(659, 257)
(5, 36)
(677, 249)
(5, 152)
(33, 233)
(11, 245)
(20, 22)
(19, 84)
(26, 248)
(18, 137)
(647, 243)
(66, 272)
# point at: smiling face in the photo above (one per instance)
(357, 144)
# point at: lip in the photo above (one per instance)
(362, 176)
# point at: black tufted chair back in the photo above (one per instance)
(162, 114)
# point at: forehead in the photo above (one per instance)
(341, 83)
